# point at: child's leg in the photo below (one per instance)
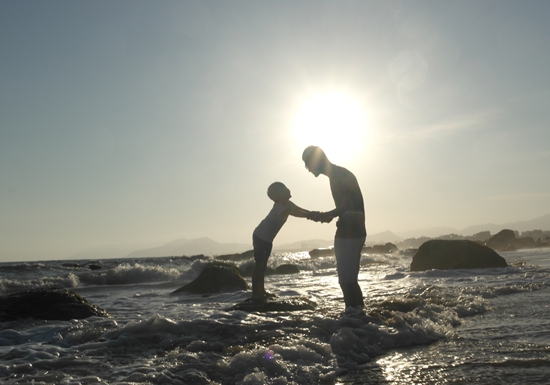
(262, 250)
(258, 275)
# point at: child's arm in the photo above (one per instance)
(296, 211)
(299, 212)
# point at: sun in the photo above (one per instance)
(334, 121)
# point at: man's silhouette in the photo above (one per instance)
(351, 232)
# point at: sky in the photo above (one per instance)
(130, 124)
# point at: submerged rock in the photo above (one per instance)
(214, 278)
(455, 254)
(274, 304)
(287, 269)
(47, 304)
(316, 253)
(388, 248)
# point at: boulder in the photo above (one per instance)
(47, 304)
(321, 252)
(506, 240)
(455, 254)
(388, 248)
(214, 278)
(287, 269)
(274, 304)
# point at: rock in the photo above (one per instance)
(388, 248)
(274, 304)
(506, 240)
(236, 257)
(455, 254)
(47, 304)
(73, 265)
(214, 278)
(94, 266)
(316, 253)
(249, 268)
(287, 269)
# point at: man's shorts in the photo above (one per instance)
(262, 249)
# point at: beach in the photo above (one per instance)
(480, 326)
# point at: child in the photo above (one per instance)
(262, 238)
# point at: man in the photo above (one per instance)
(351, 232)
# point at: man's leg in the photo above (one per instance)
(348, 256)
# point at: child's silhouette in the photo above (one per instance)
(264, 234)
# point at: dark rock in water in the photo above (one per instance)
(506, 240)
(75, 265)
(236, 257)
(51, 304)
(287, 269)
(388, 248)
(316, 253)
(274, 304)
(214, 278)
(455, 254)
(249, 268)
(94, 266)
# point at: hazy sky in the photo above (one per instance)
(135, 123)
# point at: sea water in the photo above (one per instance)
(481, 326)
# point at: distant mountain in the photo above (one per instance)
(432, 233)
(383, 237)
(540, 223)
(310, 244)
(191, 247)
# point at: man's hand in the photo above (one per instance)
(319, 217)
(325, 217)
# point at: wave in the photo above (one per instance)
(8, 286)
(130, 274)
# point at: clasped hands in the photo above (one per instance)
(320, 217)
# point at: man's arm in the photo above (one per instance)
(341, 187)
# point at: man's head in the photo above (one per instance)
(315, 160)
(278, 192)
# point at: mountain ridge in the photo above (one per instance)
(208, 246)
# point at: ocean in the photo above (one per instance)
(486, 326)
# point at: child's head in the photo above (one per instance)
(278, 192)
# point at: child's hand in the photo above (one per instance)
(325, 217)
(320, 217)
(314, 216)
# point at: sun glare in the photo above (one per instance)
(333, 121)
